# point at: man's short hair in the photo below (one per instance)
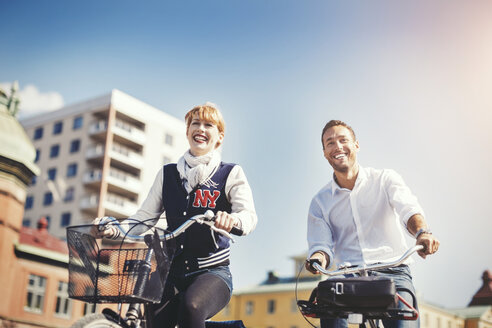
(333, 123)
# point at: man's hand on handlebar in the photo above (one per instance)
(225, 221)
(319, 257)
(430, 243)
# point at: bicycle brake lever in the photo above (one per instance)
(222, 232)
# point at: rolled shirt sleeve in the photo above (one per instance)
(401, 198)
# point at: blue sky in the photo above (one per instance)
(413, 78)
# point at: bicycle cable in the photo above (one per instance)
(297, 299)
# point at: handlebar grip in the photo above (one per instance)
(312, 262)
(236, 231)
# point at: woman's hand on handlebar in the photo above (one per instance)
(319, 257)
(430, 243)
(225, 221)
(104, 227)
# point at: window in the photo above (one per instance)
(227, 310)
(78, 122)
(63, 303)
(271, 306)
(426, 320)
(65, 219)
(52, 173)
(48, 198)
(249, 309)
(38, 154)
(75, 146)
(48, 219)
(72, 170)
(293, 306)
(168, 139)
(90, 308)
(54, 151)
(69, 194)
(58, 127)
(36, 288)
(34, 179)
(38, 133)
(29, 202)
(26, 222)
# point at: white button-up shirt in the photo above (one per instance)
(366, 224)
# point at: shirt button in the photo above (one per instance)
(187, 268)
(181, 246)
(187, 197)
(186, 262)
(184, 213)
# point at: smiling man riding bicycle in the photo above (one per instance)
(358, 217)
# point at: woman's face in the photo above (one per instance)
(203, 136)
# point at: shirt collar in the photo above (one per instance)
(362, 175)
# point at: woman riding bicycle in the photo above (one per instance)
(199, 284)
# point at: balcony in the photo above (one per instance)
(126, 159)
(114, 205)
(122, 157)
(95, 152)
(119, 182)
(98, 129)
(128, 135)
(123, 133)
(123, 183)
(92, 178)
(118, 206)
(89, 203)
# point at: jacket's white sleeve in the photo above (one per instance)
(152, 206)
(150, 210)
(240, 196)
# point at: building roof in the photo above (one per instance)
(484, 295)
(473, 311)
(275, 284)
(14, 142)
(39, 242)
(116, 98)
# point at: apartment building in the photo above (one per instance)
(98, 158)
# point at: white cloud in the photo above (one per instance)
(33, 101)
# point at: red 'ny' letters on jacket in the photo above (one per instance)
(203, 198)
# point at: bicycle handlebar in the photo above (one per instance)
(207, 218)
(364, 268)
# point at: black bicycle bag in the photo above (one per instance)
(360, 292)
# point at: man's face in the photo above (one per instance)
(340, 148)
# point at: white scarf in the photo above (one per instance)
(198, 170)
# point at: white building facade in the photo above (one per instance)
(98, 158)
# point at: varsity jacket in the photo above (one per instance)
(199, 247)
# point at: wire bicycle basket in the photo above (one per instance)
(125, 272)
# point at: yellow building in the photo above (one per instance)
(272, 304)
